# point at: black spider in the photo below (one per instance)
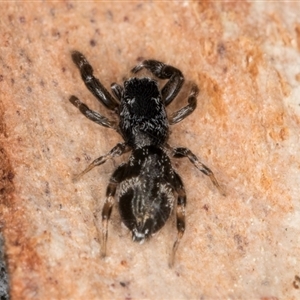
(147, 182)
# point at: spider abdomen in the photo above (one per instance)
(146, 197)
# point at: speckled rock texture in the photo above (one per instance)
(245, 58)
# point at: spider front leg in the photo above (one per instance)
(188, 109)
(91, 82)
(181, 152)
(163, 71)
(118, 150)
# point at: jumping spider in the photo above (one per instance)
(147, 182)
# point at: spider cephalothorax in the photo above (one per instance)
(147, 182)
(143, 118)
